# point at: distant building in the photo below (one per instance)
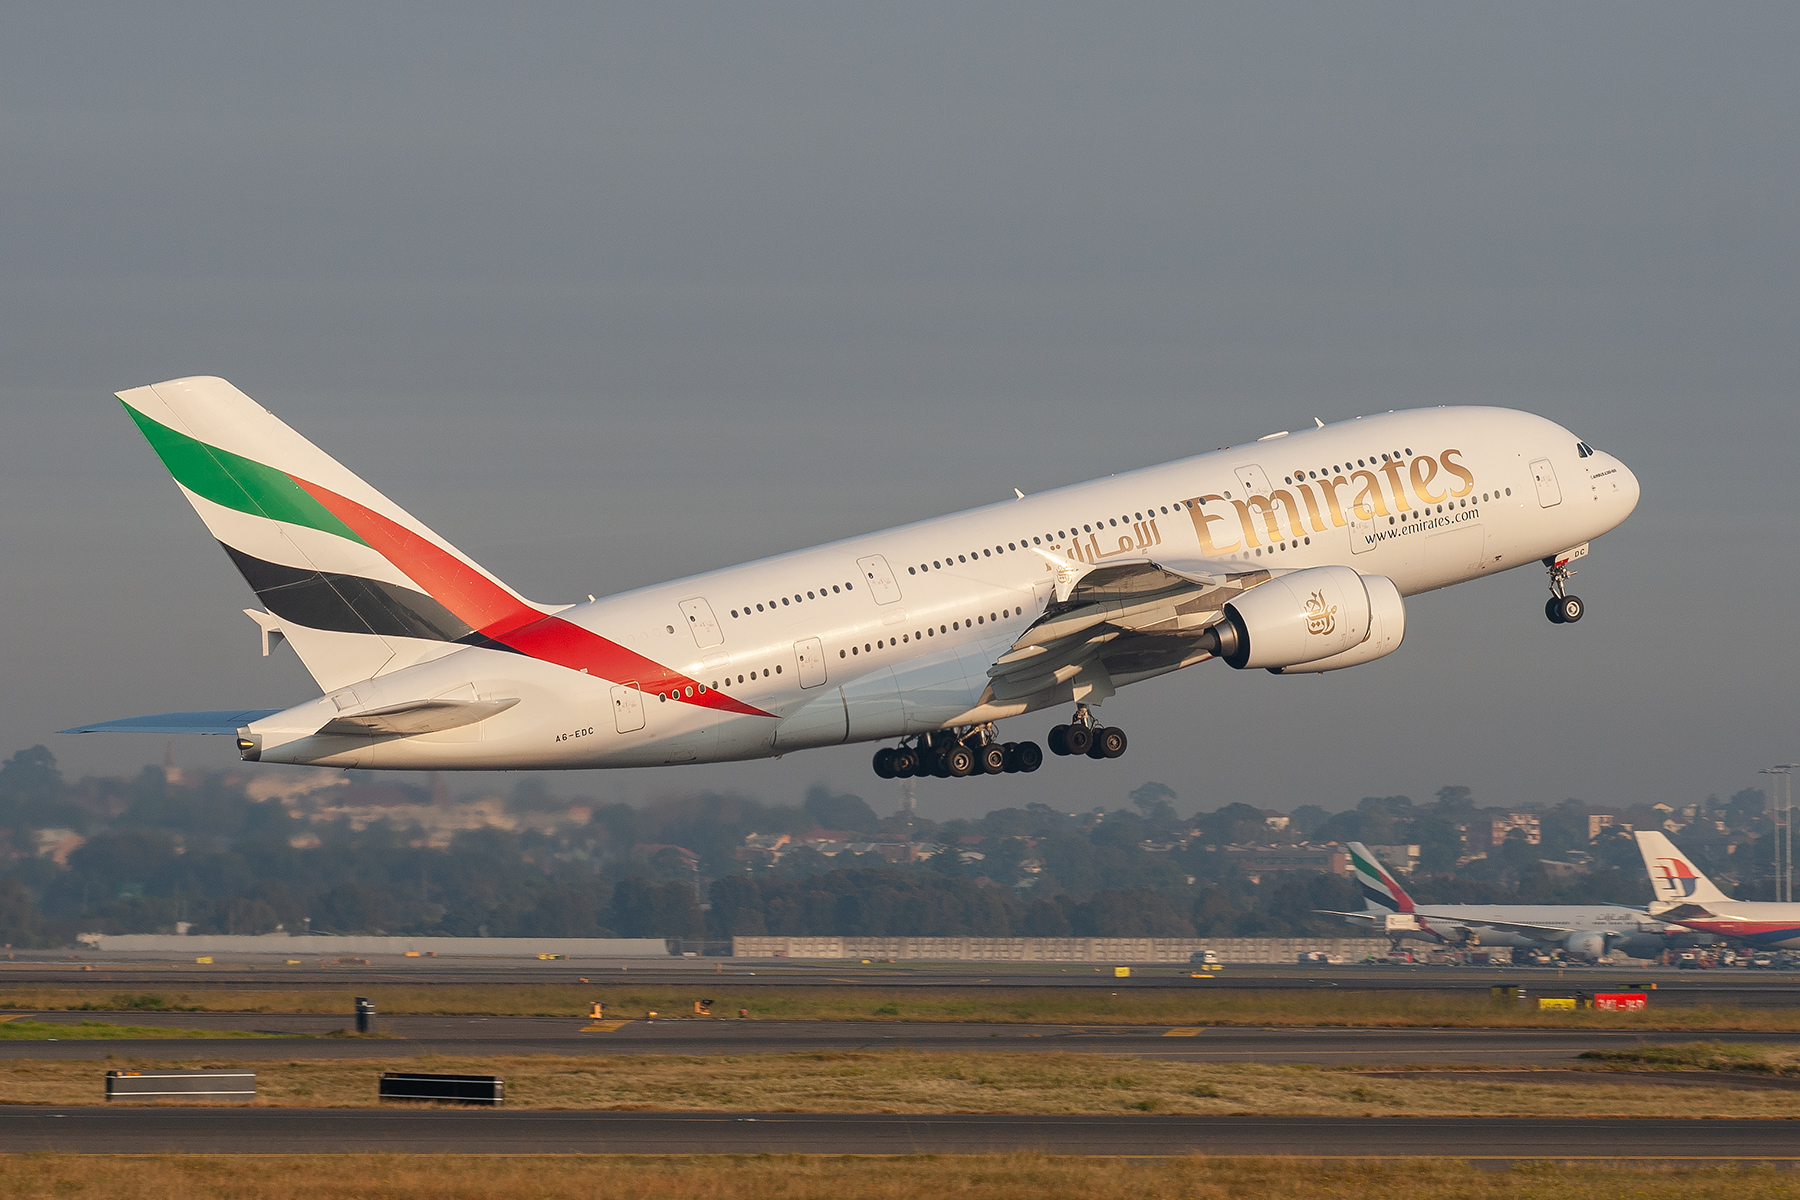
(1275, 820)
(1525, 822)
(1400, 858)
(1257, 861)
(1597, 822)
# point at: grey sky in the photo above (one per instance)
(612, 298)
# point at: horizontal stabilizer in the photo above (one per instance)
(228, 722)
(419, 716)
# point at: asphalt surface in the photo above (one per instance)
(407, 1036)
(442, 1131)
(92, 969)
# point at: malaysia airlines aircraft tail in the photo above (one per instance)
(1673, 877)
(355, 583)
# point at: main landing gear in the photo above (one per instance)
(948, 754)
(976, 750)
(1085, 736)
(1562, 608)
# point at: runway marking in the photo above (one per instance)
(1179, 1032)
(605, 1026)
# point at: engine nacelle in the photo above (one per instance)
(1387, 629)
(1299, 618)
(1586, 944)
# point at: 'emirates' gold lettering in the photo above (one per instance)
(1461, 472)
(1423, 470)
(1203, 525)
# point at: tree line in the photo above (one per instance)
(154, 854)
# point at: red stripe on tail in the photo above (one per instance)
(496, 612)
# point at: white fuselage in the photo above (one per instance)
(1559, 926)
(1765, 924)
(892, 633)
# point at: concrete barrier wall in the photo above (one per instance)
(327, 944)
(1073, 950)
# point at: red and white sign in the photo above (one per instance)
(1621, 1001)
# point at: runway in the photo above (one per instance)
(480, 1036)
(332, 1131)
(709, 975)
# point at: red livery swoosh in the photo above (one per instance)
(496, 612)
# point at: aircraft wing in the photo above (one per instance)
(394, 720)
(1129, 616)
(1523, 928)
(1676, 914)
(227, 723)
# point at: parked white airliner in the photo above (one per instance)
(1291, 553)
(1685, 896)
(1582, 931)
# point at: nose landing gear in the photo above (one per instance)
(1562, 608)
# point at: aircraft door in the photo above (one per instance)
(879, 579)
(628, 707)
(1251, 478)
(1362, 531)
(1549, 493)
(810, 656)
(701, 622)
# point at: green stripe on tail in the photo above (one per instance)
(235, 482)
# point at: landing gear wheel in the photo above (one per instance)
(1076, 739)
(959, 762)
(938, 767)
(1552, 609)
(1012, 757)
(906, 763)
(1029, 757)
(884, 763)
(991, 758)
(1110, 742)
(1569, 610)
(1059, 740)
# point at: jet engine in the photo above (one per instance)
(1585, 944)
(1387, 629)
(1304, 617)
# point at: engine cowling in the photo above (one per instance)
(1587, 944)
(1309, 615)
(1387, 629)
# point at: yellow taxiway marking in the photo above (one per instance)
(604, 1026)
(1181, 1033)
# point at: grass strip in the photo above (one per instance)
(25, 1029)
(1705, 1056)
(1047, 1006)
(789, 1177)
(900, 1081)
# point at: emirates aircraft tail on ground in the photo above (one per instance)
(1292, 553)
(1685, 896)
(1584, 931)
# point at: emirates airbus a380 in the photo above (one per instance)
(1292, 553)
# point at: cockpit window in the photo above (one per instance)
(1584, 450)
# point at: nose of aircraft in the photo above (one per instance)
(1628, 491)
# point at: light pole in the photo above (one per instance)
(1781, 784)
(1787, 807)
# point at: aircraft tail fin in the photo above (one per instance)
(352, 580)
(1673, 876)
(1381, 891)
